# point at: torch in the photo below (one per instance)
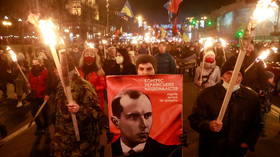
(47, 29)
(262, 57)
(14, 58)
(262, 12)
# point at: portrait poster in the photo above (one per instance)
(166, 95)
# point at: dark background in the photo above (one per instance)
(152, 10)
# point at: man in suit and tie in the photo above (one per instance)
(132, 114)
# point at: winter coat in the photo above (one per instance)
(91, 121)
(165, 64)
(128, 69)
(240, 124)
(39, 83)
(210, 77)
(255, 76)
(220, 57)
(108, 67)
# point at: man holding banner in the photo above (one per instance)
(240, 128)
(146, 65)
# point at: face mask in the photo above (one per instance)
(119, 59)
(89, 60)
(226, 85)
(209, 60)
(36, 69)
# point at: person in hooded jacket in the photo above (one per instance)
(209, 70)
(38, 80)
(124, 65)
(110, 61)
(91, 70)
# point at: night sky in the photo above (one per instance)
(152, 10)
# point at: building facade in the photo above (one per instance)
(232, 18)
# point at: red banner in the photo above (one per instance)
(165, 93)
(174, 6)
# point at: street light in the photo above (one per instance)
(7, 23)
(140, 20)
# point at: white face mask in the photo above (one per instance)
(226, 85)
(119, 59)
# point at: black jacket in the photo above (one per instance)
(109, 67)
(151, 149)
(128, 69)
(165, 64)
(255, 77)
(240, 124)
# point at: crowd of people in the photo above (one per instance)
(211, 70)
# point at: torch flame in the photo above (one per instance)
(264, 55)
(209, 42)
(47, 28)
(274, 49)
(12, 54)
(265, 65)
(134, 41)
(90, 45)
(264, 10)
(223, 42)
(104, 42)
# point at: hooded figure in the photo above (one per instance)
(209, 70)
(91, 70)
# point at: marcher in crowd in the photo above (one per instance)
(146, 65)
(124, 65)
(165, 62)
(91, 70)
(209, 70)
(39, 80)
(238, 132)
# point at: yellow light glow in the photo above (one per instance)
(134, 41)
(6, 23)
(12, 54)
(90, 45)
(223, 42)
(265, 65)
(264, 55)
(140, 18)
(47, 28)
(209, 42)
(264, 10)
(104, 42)
(274, 49)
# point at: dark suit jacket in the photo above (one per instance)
(151, 149)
